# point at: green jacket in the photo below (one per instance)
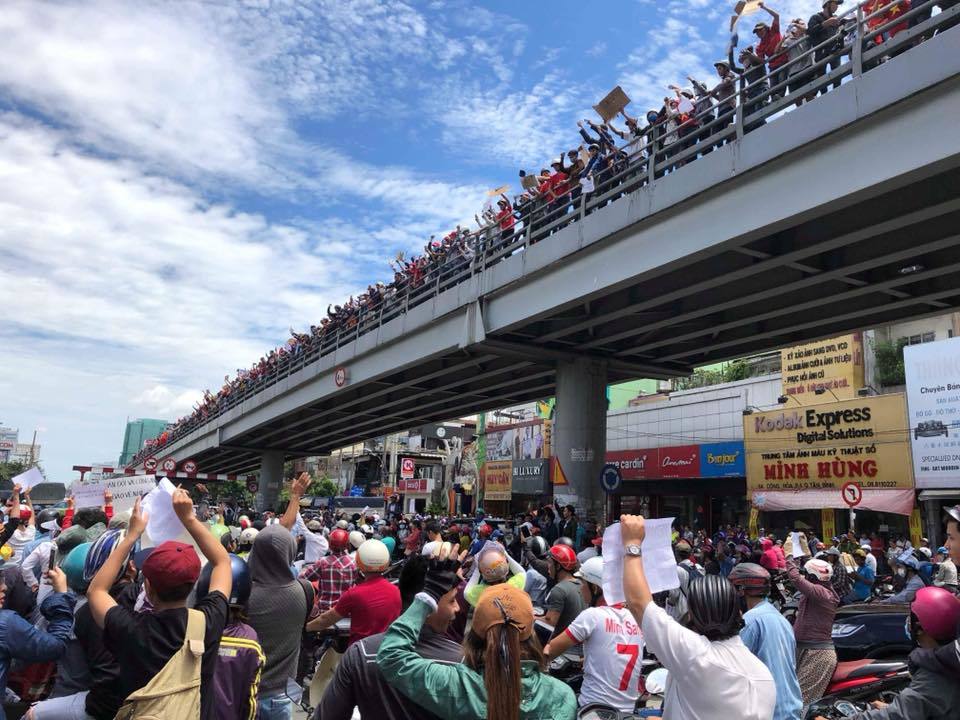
(456, 690)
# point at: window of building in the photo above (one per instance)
(918, 339)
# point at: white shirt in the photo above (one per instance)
(21, 537)
(315, 544)
(612, 651)
(871, 561)
(720, 679)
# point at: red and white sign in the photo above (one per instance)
(682, 461)
(408, 468)
(189, 467)
(169, 465)
(634, 464)
(418, 485)
(150, 464)
(852, 494)
(340, 376)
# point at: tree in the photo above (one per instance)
(889, 359)
(9, 470)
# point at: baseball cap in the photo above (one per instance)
(171, 565)
(503, 604)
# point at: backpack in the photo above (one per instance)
(174, 692)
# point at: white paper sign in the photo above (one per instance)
(162, 522)
(659, 564)
(797, 546)
(29, 479)
(127, 489)
(88, 495)
(933, 394)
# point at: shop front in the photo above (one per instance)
(831, 467)
(702, 486)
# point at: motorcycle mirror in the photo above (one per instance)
(656, 682)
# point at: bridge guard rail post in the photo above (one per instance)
(857, 50)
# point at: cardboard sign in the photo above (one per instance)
(746, 7)
(88, 495)
(162, 522)
(530, 182)
(615, 101)
(128, 488)
(498, 191)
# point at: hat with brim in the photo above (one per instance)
(761, 25)
(503, 604)
(724, 63)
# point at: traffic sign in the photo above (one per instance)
(150, 464)
(190, 467)
(610, 478)
(169, 465)
(852, 494)
(340, 376)
(408, 468)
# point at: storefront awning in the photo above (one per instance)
(899, 501)
(940, 494)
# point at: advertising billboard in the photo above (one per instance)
(823, 447)
(933, 393)
(498, 480)
(835, 364)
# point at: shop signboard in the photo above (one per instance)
(498, 478)
(823, 447)
(528, 440)
(682, 461)
(415, 485)
(531, 477)
(635, 464)
(933, 392)
(726, 459)
(835, 364)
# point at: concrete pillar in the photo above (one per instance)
(271, 478)
(580, 433)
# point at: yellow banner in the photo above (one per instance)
(916, 527)
(752, 528)
(835, 365)
(828, 521)
(499, 480)
(864, 441)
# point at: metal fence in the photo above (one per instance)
(863, 42)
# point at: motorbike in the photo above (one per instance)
(654, 686)
(861, 681)
(331, 645)
(784, 597)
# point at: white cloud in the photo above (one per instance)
(597, 50)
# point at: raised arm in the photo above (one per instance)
(773, 13)
(636, 589)
(98, 594)
(297, 490)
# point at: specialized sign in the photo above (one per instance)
(610, 478)
(635, 464)
(726, 459)
(150, 464)
(933, 392)
(127, 489)
(828, 523)
(852, 494)
(916, 527)
(340, 376)
(611, 105)
(825, 446)
(498, 476)
(169, 464)
(835, 365)
(529, 440)
(190, 467)
(408, 468)
(679, 462)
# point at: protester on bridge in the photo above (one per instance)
(768, 44)
(823, 30)
(502, 676)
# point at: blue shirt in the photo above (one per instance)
(769, 636)
(861, 590)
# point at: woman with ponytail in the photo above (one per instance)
(502, 676)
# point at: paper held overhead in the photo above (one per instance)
(615, 101)
(90, 495)
(497, 191)
(746, 7)
(29, 479)
(659, 565)
(162, 522)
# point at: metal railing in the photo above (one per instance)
(862, 42)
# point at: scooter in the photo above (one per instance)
(326, 656)
(860, 681)
(655, 685)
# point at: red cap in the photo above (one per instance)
(171, 565)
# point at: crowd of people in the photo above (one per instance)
(610, 161)
(448, 617)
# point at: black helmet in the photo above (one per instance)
(46, 516)
(714, 608)
(239, 593)
(564, 540)
(538, 547)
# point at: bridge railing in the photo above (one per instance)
(865, 41)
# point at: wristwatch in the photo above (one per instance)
(633, 550)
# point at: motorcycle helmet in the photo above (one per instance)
(819, 569)
(367, 531)
(315, 526)
(564, 540)
(538, 547)
(565, 557)
(339, 540)
(493, 565)
(243, 522)
(343, 524)
(927, 552)
(248, 536)
(484, 530)
(751, 579)
(908, 559)
(390, 543)
(239, 591)
(99, 552)
(46, 516)
(714, 607)
(72, 567)
(592, 571)
(356, 539)
(372, 557)
(937, 611)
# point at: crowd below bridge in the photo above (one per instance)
(249, 614)
(788, 64)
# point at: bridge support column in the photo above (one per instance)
(271, 478)
(580, 433)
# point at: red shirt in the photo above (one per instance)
(558, 185)
(371, 606)
(506, 219)
(768, 44)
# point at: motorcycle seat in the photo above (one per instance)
(863, 668)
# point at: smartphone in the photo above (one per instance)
(53, 558)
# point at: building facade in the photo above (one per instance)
(136, 434)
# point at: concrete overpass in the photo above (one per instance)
(840, 214)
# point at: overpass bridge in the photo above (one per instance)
(836, 215)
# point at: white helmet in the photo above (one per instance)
(592, 571)
(356, 538)
(248, 536)
(342, 524)
(315, 526)
(366, 530)
(926, 551)
(820, 569)
(373, 556)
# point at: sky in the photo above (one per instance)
(182, 182)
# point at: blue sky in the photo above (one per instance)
(181, 182)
